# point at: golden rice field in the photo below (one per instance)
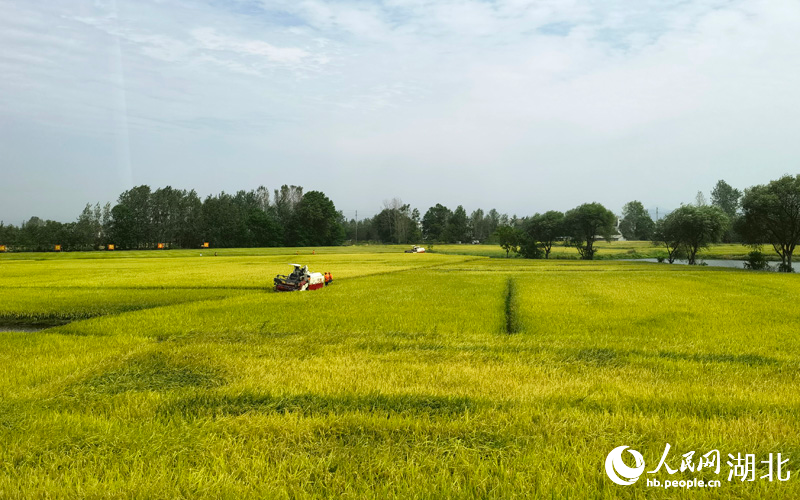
(171, 375)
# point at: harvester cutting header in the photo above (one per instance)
(301, 279)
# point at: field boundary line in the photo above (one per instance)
(431, 266)
(120, 313)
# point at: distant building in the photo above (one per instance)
(614, 237)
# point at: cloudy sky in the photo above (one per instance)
(522, 105)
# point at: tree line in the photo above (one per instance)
(767, 214)
(399, 223)
(144, 219)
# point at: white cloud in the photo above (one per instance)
(519, 97)
(208, 38)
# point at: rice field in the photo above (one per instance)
(411, 376)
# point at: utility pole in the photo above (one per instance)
(356, 227)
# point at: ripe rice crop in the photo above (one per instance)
(401, 379)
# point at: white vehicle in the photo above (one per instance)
(416, 249)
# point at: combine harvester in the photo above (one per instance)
(300, 279)
(415, 249)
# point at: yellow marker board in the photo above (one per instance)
(2, 248)
(205, 245)
(109, 247)
(58, 248)
(160, 246)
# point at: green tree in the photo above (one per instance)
(434, 223)
(696, 227)
(316, 221)
(286, 200)
(636, 223)
(700, 199)
(667, 233)
(545, 229)
(122, 228)
(396, 222)
(9, 235)
(189, 227)
(106, 220)
(131, 224)
(771, 215)
(457, 226)
(726, 198)
(87, 229)
(477, 225)
(509, 238)
(416, 225)
(585, 224)
(263, 228)
(492, 222)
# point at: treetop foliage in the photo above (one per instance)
(771, 215)
(587, 223)
(636, 223)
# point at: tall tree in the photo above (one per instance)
(286, 200)
(397, 222)
(700, 199)
(697, 227)
(726, 198)
(262, 195)
(221, 223)
(189, 231)
(132, 218)
(434, 223)
(585, 224)
(545, 229)
(492, 223)
(87, 228)
(509, 238)
(316, 221)
(667, 233)
(416, 228)
(457, 226)
(106, 220)
(771, 215)
(477, 225)
(636, 223)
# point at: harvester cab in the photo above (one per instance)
(301, 279)
(415, 249)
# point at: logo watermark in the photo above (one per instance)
(619, 472)
(739, 467)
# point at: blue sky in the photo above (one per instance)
(520, 105)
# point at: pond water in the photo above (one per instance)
(739, 264)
